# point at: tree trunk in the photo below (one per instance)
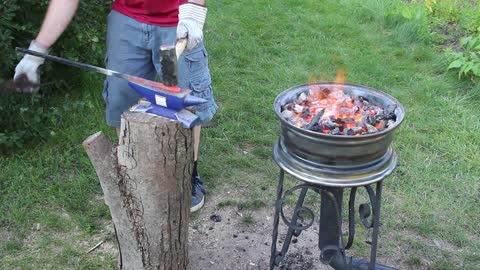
(146, 181)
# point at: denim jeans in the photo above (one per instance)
(133, 48)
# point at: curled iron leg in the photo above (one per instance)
(278, 204)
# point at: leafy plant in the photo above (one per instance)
(31, 118)
(417, 18)
(467, 60)
(429, 5)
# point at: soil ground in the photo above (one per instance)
(229, 243)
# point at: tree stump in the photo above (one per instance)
(146, 181)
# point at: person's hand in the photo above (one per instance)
(190, 25)
(28, 67)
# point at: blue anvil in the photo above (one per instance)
(169, 104)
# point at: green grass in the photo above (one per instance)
(256, 51)
(248, 219)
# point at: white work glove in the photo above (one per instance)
(191, 18)
(28, 67)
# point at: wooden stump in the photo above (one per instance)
(146, 181)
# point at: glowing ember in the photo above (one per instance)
(331, 111)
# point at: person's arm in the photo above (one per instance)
(58, 17)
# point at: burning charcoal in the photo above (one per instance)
(298, 121)
(318, 94)
(287, 114)
(379, 111)
(330, 124)
(288, 106)
(380, 125)
(325, 131)
(298, 108)
(363, 99)
(348, 114)
(336, 131)
(326, 91)
(347, 120)
(357, 130)
(344, 111)
(390, 112)
(302, 97)
(390, 108)
(317, 127)
(370, 120)
(390, 123)
(358, 103)
(341, 101)
(305, 112)
(371, 129)
(353, 131)
(316, 119)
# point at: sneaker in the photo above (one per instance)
(198, 194)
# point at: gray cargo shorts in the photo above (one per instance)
(133, 48)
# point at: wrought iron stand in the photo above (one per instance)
(331, 243)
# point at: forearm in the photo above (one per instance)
(59, 15)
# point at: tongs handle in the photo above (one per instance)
(180, 46)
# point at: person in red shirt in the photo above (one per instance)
(135, 31)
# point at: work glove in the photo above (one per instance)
(28, 67)
(190, 25)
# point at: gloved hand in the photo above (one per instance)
(190, 25)
(28, 67)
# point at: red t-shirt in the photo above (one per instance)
(156, 12)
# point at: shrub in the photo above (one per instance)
(467, 60)
(20, 21)
(27, 118)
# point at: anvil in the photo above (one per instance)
(166, 103)
(169, 104)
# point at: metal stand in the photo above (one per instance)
(331, 243)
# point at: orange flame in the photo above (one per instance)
(340, 76)
(340, 80)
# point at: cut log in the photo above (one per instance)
(146, 181)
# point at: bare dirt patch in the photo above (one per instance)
(228, 243)
(219, 239)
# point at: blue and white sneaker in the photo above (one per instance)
(198, 194)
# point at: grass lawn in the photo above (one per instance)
(51, 202)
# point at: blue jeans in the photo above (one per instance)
(133, 48)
